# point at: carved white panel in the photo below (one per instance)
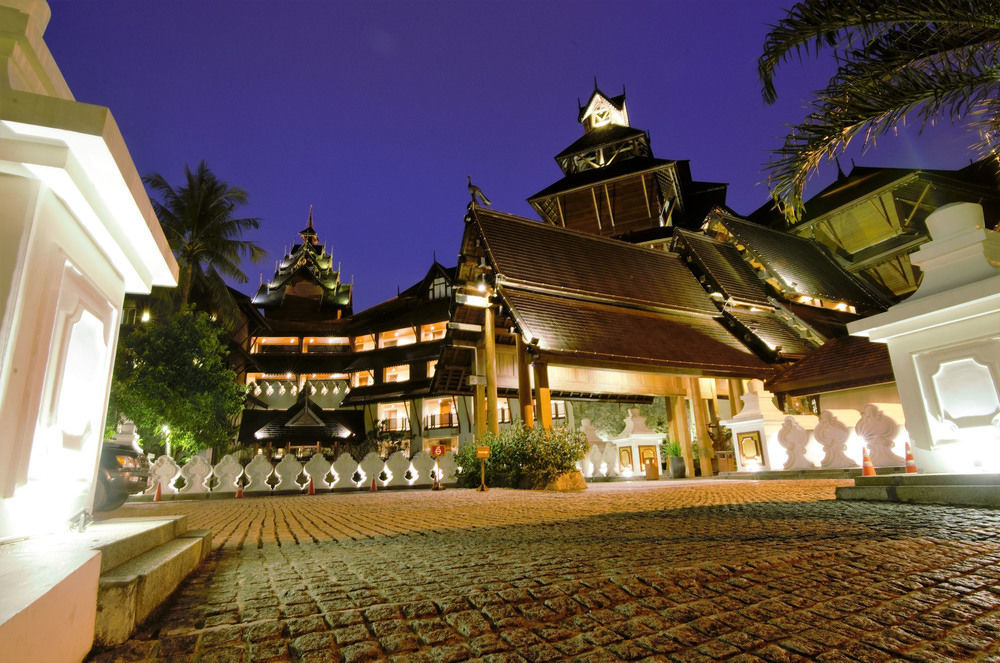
(195, 474)
(163, 472)
(345, 467)
(396, 467)
(609, 461)
(879, 431)
(832, 434)
(317, 468)
(448, 467)
(288, 471)
(967, 392)
(794, 438)
(257, 471)
(371, 467)
(422, 464)
(227, 472)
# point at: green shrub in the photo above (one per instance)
(523, 455)
(670, 448)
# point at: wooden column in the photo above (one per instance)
(524, 385)
(542, 401)
(701, 427)
(489, 345)
(735, 396)
(683, 430)
(479, 395)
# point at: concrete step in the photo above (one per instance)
(847, 473)
(957, 489)
(901, 479)
(121, 539)
(129, 592)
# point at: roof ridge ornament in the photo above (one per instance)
(476, 192)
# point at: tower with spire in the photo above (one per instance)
(612, 184)
(305, 286)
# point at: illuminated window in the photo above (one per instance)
(275, 344)
(558, 409)
(440, 413)
(431, 367)
(393, 416)
(397, 373)
(326, 343)
(503, 410)
(363, 343)
(433, 331)
(362, 379)
(394, 337)
(439, 289)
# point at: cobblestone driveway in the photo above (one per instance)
(659, 571)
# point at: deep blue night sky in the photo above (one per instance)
(374, 112)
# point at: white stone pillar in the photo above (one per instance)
(944, 343)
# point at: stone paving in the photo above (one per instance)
(647, 571)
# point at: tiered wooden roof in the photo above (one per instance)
(846, 362)
(796, 265)
(587, 300)
(305, 287)
(304, 422)
(614, 186)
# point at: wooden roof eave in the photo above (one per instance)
(620, 362)
(640, 364)
(636, 304)
(652, 169)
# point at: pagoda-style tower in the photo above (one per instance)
(614, 186)
(305, 287)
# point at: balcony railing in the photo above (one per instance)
(444, 420)
(397, 424)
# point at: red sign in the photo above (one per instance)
(438, 450)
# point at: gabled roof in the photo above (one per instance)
(539, 256)
(725, 266)
(774, 332)
(802, 265)
(585, 299)
(840, 363)
(303, 422)
(618, 169)
(618, 101)
(606, 135)
(586, 332)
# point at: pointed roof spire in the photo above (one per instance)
(308, 234)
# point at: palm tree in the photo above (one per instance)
(926, 59)
(199, 222)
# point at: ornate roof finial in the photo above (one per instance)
(595, 82)
(308, 234)
(476, 192)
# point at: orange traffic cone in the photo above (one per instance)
(239, 491)
(312, 488)
(867, 469)
(911, 464)
(374, 487)
(158, 495)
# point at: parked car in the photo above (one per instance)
(124, 471)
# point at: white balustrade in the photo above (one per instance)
(317, 468)
(288, 471)
(227, 473)
(195, 474)
(162, 473)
